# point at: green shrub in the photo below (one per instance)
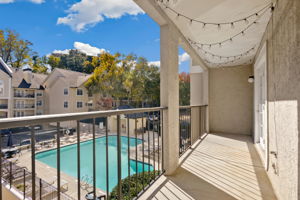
(130, 183)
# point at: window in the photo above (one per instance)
(39, 94)
(90, 94)
(66, 104)
(79, 104)
(39, 112)
(66, 91)
(79, 92)
(1, 88)
(39, 103)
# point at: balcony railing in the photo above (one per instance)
(186, 114)
(24, 95)
(138, 160)
(3, 106)
(25, 106)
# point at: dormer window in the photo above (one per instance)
(79, 92)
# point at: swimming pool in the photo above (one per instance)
(68, 162)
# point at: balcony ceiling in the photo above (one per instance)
(246, 34)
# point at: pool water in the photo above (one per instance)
(68, 155)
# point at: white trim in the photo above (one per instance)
(6, 66)
(260, 66)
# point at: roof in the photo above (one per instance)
(5, 68)
(75, 79)
(18, 80)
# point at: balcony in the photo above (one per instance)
(30, 96)
(25, 106)
(218, 166)
(3, 106)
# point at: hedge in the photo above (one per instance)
(130, 183)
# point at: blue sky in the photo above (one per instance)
(111, 25)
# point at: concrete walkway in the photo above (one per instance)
(220, 167)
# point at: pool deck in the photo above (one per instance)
(49, 175)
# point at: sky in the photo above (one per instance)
(91, 26)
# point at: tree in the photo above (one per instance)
(14, 50)
(105, 74)
(54, 62)
(39, 65)
(184, 89)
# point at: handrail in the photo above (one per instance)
(192, 106)
(36, 120)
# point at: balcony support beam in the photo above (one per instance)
(169, 96)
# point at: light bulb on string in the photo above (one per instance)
(203, 26)
(219, 27)
(178, 15)
(232, 25)
(231, 40)
(191, 21)
(243, 33)
(220, 44)
(246, 21)
(209, 46)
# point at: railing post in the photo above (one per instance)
(33, 162)
(41, 189)
(24, 184)
(78, 161)
(58, 159)
(94, 159)
(10, 174)
(107, 160)
(119, 158)
(1, 166)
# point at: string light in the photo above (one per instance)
(226, 40)
(245, 19)
(227, 57)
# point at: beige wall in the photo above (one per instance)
(231, 100)
(7, 88)
(283, 57)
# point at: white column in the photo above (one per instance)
(169, 97)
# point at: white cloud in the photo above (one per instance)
(88, 13)
(156, 63)
(88, 49)
(66, 51)
(12, 1)
(181, 58)
(37, 1)
(6, 1)
(84, 48)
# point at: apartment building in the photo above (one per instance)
(5, 89)
(24, 93)
(28, 93)
(65, 92)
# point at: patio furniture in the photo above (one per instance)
(90, 196)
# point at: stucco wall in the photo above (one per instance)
(283, 57)
(231, 100)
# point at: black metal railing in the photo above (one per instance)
(3, 106)
(186, 114)
(135, 135)
(24, 106)
(24, 95)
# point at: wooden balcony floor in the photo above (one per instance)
(220, 167)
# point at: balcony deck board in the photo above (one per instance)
(219, 167)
